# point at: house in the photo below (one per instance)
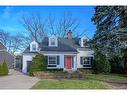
(62, 53)
(6, 56)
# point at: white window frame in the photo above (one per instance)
(53, 42)
(55, 60)
(87, 60)
(35, 47)
(84, 40)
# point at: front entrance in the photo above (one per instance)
(68, 62)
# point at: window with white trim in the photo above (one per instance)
(52, 42)
(34, 47)
(52, 61)
(85, 44)
(85, 60)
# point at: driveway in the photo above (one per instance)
(17, 80)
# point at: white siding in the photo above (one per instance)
(61, 59)
(25, 59)
(29, 58)
(83, 53)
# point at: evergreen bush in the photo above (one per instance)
(39, 63)
(116, 64)
(101, 64)
(3, 69)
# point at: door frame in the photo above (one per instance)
(65, 62)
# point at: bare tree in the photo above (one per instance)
(13, 43)
(67, 22)
(4, 37)
(61, 26)
(51, 24)
(34, 26)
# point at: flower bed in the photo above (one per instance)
(59, 75)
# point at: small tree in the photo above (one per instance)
(101, 64)
(5, 68)
(38, 64)
(1, 70)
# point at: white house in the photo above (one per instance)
(62, 53)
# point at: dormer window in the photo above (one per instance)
(33, 46)
(84, 41)
(53, 41)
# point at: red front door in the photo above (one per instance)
(68, 63)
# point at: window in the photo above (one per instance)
(52, 61)
(85, 60)
(84, 42)
(33, 47)
(52, 42)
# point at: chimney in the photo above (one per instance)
(69, 35)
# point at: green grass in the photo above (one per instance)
(70, 84)
(92, 81)
(103, 77)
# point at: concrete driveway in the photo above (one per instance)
(17, 80)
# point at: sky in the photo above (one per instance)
(11, 16)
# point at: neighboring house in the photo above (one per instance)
(61, 53)
(6, 56)
(18, 62)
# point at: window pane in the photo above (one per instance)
(85, 60)
(33, 47)
(52, 43)
(52, 60)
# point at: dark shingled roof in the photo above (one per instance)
(64, 45)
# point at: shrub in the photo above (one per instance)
(3, 69)
(39, 63)
(116, 64)
(101, 64)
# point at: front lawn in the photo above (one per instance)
(70, 84)
(91, 81)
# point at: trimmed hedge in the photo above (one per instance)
(101, 64)
(3, 69)
(39, 63)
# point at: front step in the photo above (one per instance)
(69, 70)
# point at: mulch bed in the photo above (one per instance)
(59, 75)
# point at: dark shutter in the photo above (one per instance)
(72, 61)
(46, 59)
(81, 59)
(91, 60)
(58, 60)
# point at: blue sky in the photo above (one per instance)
(10, 16)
